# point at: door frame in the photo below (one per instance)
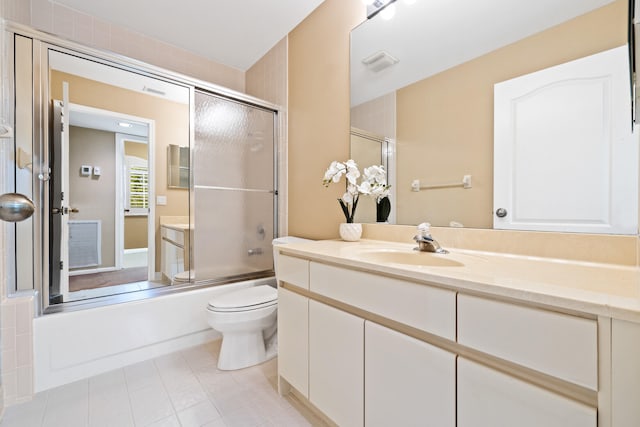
(119, 201)
(120, 140)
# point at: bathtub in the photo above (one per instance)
(71, 346)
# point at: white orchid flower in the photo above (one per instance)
(373, 183)
(347, 198)
(365, 187)
(334, 173)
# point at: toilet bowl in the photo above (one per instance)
(246, 318)
(182, 277)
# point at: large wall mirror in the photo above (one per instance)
(426, 78)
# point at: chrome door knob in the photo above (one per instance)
(15, 207)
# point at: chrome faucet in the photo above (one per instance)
(426, 243)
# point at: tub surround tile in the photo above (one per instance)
(17, 349)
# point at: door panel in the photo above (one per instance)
(59, 186)
(565, 156)
(234, 188)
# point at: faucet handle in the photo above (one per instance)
(424, 229)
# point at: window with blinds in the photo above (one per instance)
(137, 190)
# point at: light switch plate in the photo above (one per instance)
(161, 200)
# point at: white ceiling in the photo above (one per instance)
(428, 37)
(232, 32)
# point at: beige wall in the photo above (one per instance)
(171, 127)
(136, 230)
(446, 121)
(94, 196)
(135, 233)
(57, 19)
(318, 104)
(136, 149)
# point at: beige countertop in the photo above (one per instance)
(599, 289)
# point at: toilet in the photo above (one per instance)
(182, 277)
(246, 318)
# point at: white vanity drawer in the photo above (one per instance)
(294, 271)
(557, 344)
(174, 236)
(423, 307)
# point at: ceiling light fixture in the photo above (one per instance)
(377, 6)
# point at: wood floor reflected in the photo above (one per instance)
(107, 278)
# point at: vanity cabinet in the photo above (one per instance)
(293, 323)
(293, 339)
(488, 398)
(407, 381)
(174, 251)
(371, 350)
(336, 364)
(556, 344)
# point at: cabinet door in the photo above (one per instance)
(487, 398)
(336, 364)
(407, 382)
(293, 340)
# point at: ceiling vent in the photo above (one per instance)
(379, 61)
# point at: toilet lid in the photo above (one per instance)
(254, 297)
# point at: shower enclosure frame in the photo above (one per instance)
(37, 279)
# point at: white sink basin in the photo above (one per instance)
(415, 258)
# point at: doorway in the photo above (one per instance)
(105, 169)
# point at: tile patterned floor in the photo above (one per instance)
(182, 389)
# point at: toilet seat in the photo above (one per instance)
(183, 277)
(246, 299)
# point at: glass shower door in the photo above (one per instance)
(234, 188)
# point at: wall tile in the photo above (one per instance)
(63, 19)
(9, 363)
(83, 27)
(8, 316)
(17, 349)
(24, 316)
(24, 350)
(8, 338)
(10, 386)
(101, 34)
(42, 15)
(24, 382)
(16, 10)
